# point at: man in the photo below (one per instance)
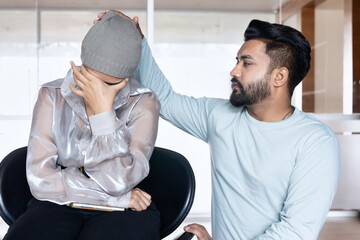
(274, 168)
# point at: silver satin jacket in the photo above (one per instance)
(113, 147)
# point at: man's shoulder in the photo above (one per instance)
(311, 120)
(309, 123)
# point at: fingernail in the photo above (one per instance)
(186, 228)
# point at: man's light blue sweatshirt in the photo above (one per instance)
(270, 180)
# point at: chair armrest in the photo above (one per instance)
(185, 236)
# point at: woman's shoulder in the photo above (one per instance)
(53, 84)
(50, 89)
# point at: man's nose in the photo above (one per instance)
(236, 72)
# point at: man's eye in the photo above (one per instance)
(246, 64)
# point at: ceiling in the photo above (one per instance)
(201, 5)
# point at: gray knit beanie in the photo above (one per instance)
(112, 46)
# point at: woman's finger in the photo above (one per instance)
(78, 82)
(90, 77)
(78, 73)
(146, 195)
(137, 205)
(119, 86)
(85, 73)
(78, 77)
(144, 199)
(75, 90)
(143, 205)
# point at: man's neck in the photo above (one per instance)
(271, 111)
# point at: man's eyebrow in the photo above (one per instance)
(243, 57)
(246, 57)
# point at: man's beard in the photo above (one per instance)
(255, 92)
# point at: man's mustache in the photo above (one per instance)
(236, 82)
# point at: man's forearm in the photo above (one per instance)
(151, 76)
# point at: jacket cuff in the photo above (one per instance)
(104, 123)
(122, 201)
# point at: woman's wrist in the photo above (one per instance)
(104, 123)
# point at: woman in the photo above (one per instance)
(92, 135)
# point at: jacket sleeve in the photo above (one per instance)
(187, 113)
(48, 181)
(312, 187)
(118, 156)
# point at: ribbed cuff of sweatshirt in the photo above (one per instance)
(104, 123)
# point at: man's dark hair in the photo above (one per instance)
(285, 46)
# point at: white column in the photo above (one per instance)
(280, 12)
(150, 22)
(348, 60)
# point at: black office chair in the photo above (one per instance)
(171, 183)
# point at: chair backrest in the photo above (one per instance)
(171, 183)
(14, 189)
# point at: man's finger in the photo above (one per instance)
(118, 12)
(101, 15)
(135, 19)
(199, 231)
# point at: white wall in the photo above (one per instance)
(328, 51)
(295, 22)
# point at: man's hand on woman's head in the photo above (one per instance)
(135, 19)
(98, 96)
(139, 200)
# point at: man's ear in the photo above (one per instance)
(280, 76)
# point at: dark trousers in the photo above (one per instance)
(49, 221)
